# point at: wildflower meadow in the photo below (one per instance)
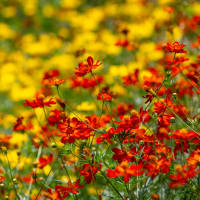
(99, 100)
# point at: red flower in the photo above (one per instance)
(72, 129)
(55, 117)
(123, 108)
(2, 178)
(125, 43)
(54, 81)
(49, 75)
(124, 170)
(50, 195)
(71, 188)
(159, 107)
(39, 102)
(131, 79)
(18, 126)
(86, 68)
(89, 172)
(85, 82)
(183, 174)
(121, 156)
(175, 47)
(105, 96)
(45, 160)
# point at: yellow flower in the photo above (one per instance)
(196, 8)
(6, 32)
(9, 11)
(18, 139)
(48, 10)
(86, 106)
(15, 160)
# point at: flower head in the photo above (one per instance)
(85, 68)
(175, 47)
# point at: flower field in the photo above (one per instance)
(100, 99)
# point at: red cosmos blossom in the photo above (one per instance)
(175, 47)
(89, 172)
(87, 68)
(50, 195)
(194, 158)
(131, 79)
(105, 96)
(28, 178)
(45, 160)
(122, 43)
(55, 117)
(106, 136)
(125, 43)
(164, 120)
(144, 115)
(2, 178)
(49, 75)
(54, 81)
(85, 82)
(19, 126)
(72, 129)
(156, 166)
(128, 123)
(183, 174)
(123, 108)
(153, 82)
(39, 102)
(121, 156)
(124, 170)
(175, 65)
(159, 107)
(72, 188)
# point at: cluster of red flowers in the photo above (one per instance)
(137, 148)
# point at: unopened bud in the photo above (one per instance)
(172, 120)
(53, 145)
(14, 180)
(170, 133)
(174, 94)
(141, 142)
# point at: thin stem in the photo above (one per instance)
(12, 176)
(156, 92)
(30, 186)
(42, 186)
(114, 188)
